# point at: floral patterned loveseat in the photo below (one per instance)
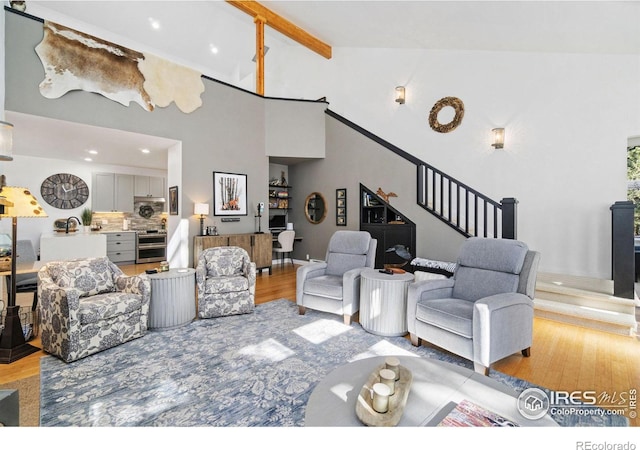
(226, 282)
(89, 305)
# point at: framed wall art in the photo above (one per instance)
(341, 207)
(229, 194)
(173, 200)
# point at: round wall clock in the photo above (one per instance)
(64, 191)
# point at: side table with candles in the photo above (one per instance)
(173, 298)
(383, 302)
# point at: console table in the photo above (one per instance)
(257, 245)
(383, 302)
(437, 386)
(173, 298)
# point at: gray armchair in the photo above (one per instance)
(334, 285)
(485, 311)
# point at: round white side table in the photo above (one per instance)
(173, 298)
(383, 302)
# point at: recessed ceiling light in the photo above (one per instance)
(214, 49)
(154, 23)
(145, 150)
(93, 152)
(88, 159)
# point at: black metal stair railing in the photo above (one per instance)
(459, 206)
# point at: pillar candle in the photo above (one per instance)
(393, 363)
(388, 377)
(381, 394)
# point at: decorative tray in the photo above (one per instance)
(397, 402)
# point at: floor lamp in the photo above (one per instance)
(15, 202)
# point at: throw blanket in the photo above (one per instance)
(449, 267)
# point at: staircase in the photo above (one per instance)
(585, 302)
(462, 208)
(573, 300)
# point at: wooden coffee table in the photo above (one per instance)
(437, 386)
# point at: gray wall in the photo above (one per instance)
(231, 133)
(226, 134)
(351, 159)
(294, 129)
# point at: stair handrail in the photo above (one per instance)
(507, 206)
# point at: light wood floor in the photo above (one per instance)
(563, 357)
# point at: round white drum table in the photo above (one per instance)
(173, 298)
(383, 302)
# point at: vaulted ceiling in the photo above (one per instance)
(219, 40)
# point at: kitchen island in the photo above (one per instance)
(63, 246)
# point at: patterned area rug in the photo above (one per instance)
(255, 369)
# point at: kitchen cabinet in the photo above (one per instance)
(112, 192)
(258, 245)
(149, 186)
(121, 247)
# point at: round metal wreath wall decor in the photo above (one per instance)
(457, 106)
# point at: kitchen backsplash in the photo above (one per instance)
(146, 216)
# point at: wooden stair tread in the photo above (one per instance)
(542, 286)
(584, 312)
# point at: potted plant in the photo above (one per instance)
(87, 216)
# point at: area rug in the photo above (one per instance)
(28, 399)
(254, 369)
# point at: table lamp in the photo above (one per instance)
(203, 210)
(17, 202)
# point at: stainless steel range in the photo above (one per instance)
(151, 246)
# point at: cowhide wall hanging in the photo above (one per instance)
(73, 60)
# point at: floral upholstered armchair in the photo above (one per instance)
(89, 305)
(226, 281)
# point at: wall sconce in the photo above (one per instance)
(6, 141)
(203, 210)
(498, 138)
(400, 94)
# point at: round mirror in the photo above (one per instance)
(315, 207)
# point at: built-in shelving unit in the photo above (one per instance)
(279, 197)
(386, 224)
(279, 206)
